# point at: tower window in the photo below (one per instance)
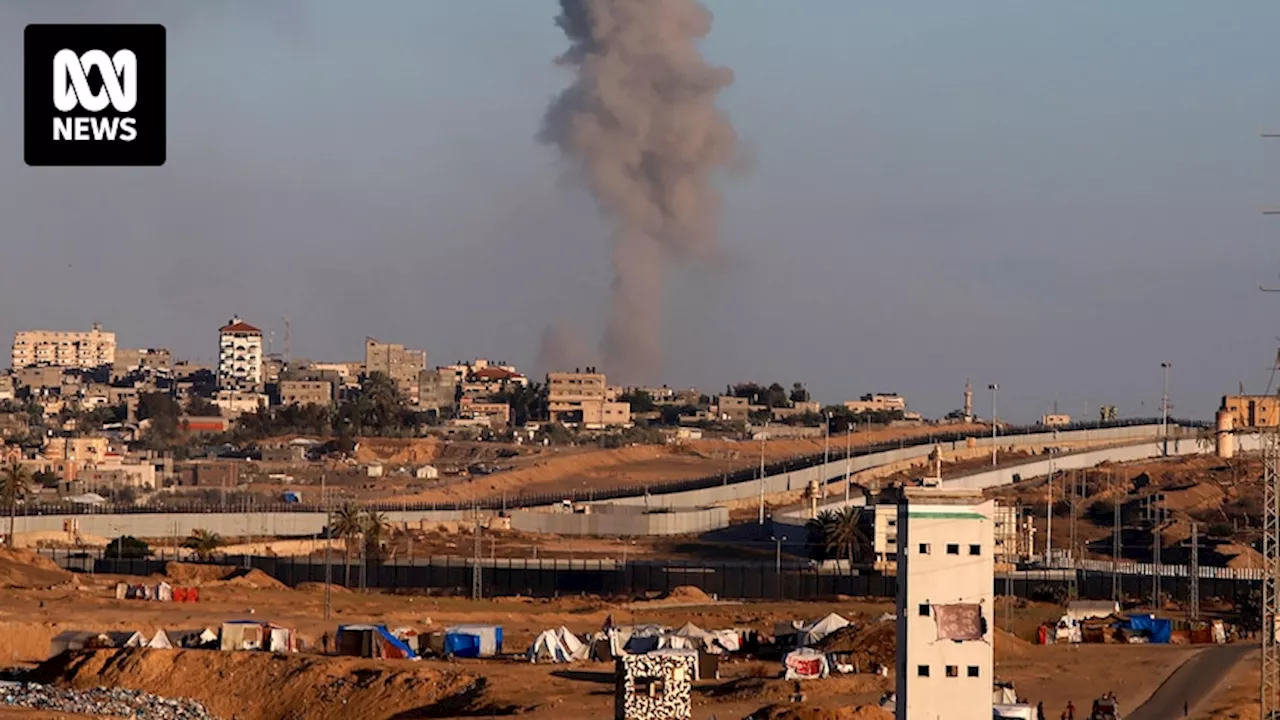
(923, 610)
(973, 671)
(953, 549)
(924, 548)
(922, 671)
(975, 549)
(953, 671)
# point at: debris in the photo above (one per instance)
(116, 702)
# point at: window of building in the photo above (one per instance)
(953, 549)
(922, 671)
(953, 671)
(893, 523)
(924, 548)
(975, 549)
(973, 671)
(923, 609)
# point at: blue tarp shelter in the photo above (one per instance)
(374, 641)
(1157, 630)
(473, 640)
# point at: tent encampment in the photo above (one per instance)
(712, 641)
(372, 641)
(254, 635)
(1154, 629)
(473, 640)
(197, 638)
(819, 629)
(1081, 610)
(559, 645)
(636, 639)
(805, 664)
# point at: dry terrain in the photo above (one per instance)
(260, 686)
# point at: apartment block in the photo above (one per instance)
(945, 604)
(233, 403)
(877, 403)
(1253, 411)
(305, 392)
(496, 413)
(131, 360)
(239, 356)
(85, 350)
(586, 399)
(401, 365)
(437, 389)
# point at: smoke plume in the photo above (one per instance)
(641, 124)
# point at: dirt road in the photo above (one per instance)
(1192, 683)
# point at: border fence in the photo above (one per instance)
(726, 580)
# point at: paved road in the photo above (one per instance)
(1191, 683)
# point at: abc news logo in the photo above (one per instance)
(108, 101)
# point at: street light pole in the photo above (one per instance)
(1048, 535)
(777, 559)
(826, 452)
(1164, 411)
(763, 434)
(993, 388)
(848, 450)
(328, 569)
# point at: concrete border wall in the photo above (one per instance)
(678, 521)
(225, 524)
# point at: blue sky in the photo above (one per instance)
(1053, 196)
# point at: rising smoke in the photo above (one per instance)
(641, 124)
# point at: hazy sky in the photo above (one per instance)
(1052, 196)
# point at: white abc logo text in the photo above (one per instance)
(71, 89)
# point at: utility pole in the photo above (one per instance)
(763, 434)
(848, 458)
(1116, 549)
(1074, 589)
(328, 533)
(1269, 687)
(1195, 571)
(1155, 510)
(993, 388)
(826, 452)
(477, 576)
(1164, 410)
(1048, 513)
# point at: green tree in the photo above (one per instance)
(348, 523)
(640, 401)
(846, 536)
(15, 485)
(799, 394)
(527, 403)
(203, 542)
(375, 529)
(127, 546)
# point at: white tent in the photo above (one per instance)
(712, 641)
(575, 647)
(160, 641)
(163, 592)
(558, 645)
(813, 633)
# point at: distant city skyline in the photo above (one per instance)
(1052, 198)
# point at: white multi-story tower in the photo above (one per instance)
(239, 356)
(945, 604)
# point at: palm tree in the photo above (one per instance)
(818, 530)
(348, 523)
(203, 542)
(375, 530)
(845, 535)
(15, 484)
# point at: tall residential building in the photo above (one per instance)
(397, 363)
(51, 348)
(585, 398)
(946, 574)
(239, 356)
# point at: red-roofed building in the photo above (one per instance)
(239, 356)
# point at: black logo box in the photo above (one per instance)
(41, 43)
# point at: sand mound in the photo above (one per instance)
(1008, 645)
(26, 569)
(266, 686)
(864, 645)
(687, 594)
(315, 587)
(219, 575)
(192, 574)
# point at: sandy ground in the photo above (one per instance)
(1237, 698)
(29, 618)
(563, 470)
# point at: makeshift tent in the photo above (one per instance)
(372, 641)
(197, 638)
(281, 638)
(473, 640)
(160, 641)
(636, 639)
(123, 639)
(1154, 629)
(805, 664)
(1014, 712)
(557, 646)
(408, 636)
(1002, 693)
(814, 632)
(1081, 610)
(163, 592)
(712, 641)
(70, 641)
(241, 635)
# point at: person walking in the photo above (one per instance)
(1040, 710)
(1071, 710)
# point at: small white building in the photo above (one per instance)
(426, 472)
(946, 575)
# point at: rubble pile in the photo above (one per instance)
(117, 702)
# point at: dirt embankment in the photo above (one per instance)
(263, 686)
(220, 576)
(26, 569)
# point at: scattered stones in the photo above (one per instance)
(118, 702)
